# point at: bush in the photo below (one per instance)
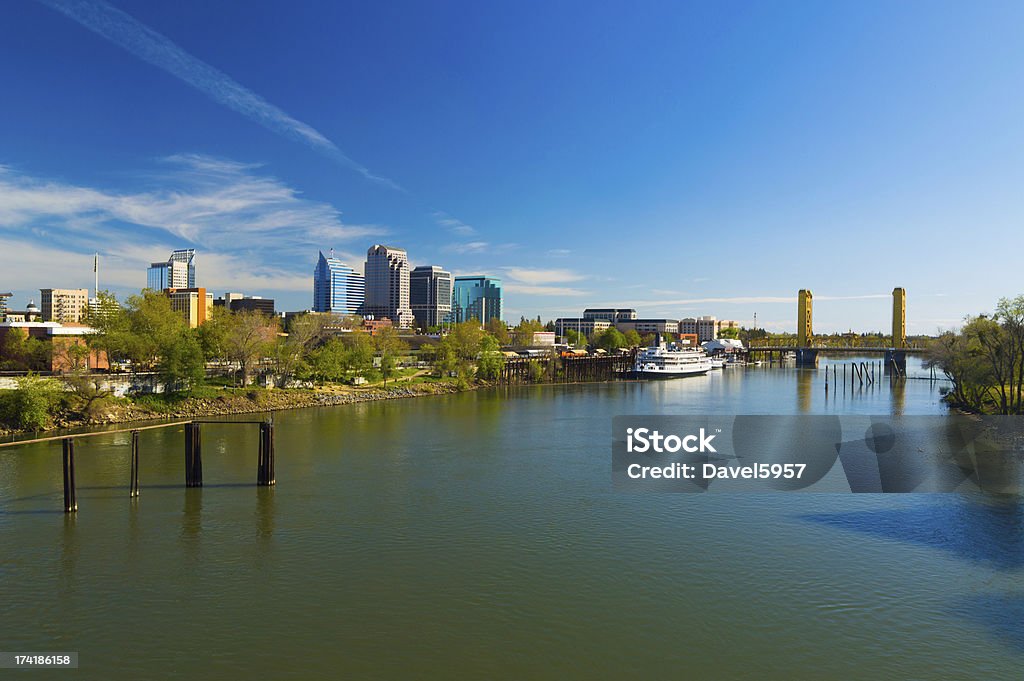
(31, 405)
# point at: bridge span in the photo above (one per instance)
(807, 351)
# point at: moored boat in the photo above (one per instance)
(661, 361)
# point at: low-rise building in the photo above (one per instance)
(580, 325)
(688, 339)
(64, 305)
(613, 315)
(543, 338)
(236, 302)
(646, 326)
(30, 314)
(373, 326)
(706, 327)
(69, 350)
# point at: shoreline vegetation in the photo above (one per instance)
(248, 362)
(235, 401)
(984, 361)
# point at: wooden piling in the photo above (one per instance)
(193, 455)
(70, 502)
(135, 465)
(265, 466)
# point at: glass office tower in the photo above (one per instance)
(337, 287)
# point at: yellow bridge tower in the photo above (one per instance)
(899, 317)
(804, 325)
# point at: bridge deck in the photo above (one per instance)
(843, 349)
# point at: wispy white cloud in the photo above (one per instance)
(539, 276)
(478, 247)
(558, 252)
(132, 35)
(470, 247)
(541, 282)
(254, 232)
(205, 201)
(534, 290)
(453, 225)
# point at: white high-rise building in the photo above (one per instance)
(337, 287)
(178, 272)
(387, 285)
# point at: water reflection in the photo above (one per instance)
(265, 512)
(192, 521)
(69, 552)
(1000, 614)
(981, 531)
(804, 389)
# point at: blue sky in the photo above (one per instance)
(680, 158)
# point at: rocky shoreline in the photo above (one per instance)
(256, 401)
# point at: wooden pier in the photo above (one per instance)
(193, 447)
(553, 369)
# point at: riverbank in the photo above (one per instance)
(251, 401)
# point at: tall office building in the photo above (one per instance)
(477, 298)
(194, 304)
(178, 272)
(387, 285)
(337, 287)
(3, 305)
(67, 306)
(430, 295)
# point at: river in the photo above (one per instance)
(477, 536)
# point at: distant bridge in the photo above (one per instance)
(807, 351)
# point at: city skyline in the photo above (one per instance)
(651, 166)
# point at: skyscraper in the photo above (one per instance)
(430, 295)
(477, 298)
(387, 285)
(337, 287)
(178, 272)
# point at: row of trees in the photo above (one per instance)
(150, 336)
(984, 360)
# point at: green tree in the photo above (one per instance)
(729, 332)
(248, 340)
(31, 404)
(611, 339)
(292, 352)
(499, 330)
(523, 333)
(389, 346)
(329, 362)
(491, 361)
(181, 365)
(21, 352)
(632, 338)
(213, 334)
(361, 350)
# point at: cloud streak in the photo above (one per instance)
(748, 300)
(135, 37)
(206, 201)
(254, 232)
